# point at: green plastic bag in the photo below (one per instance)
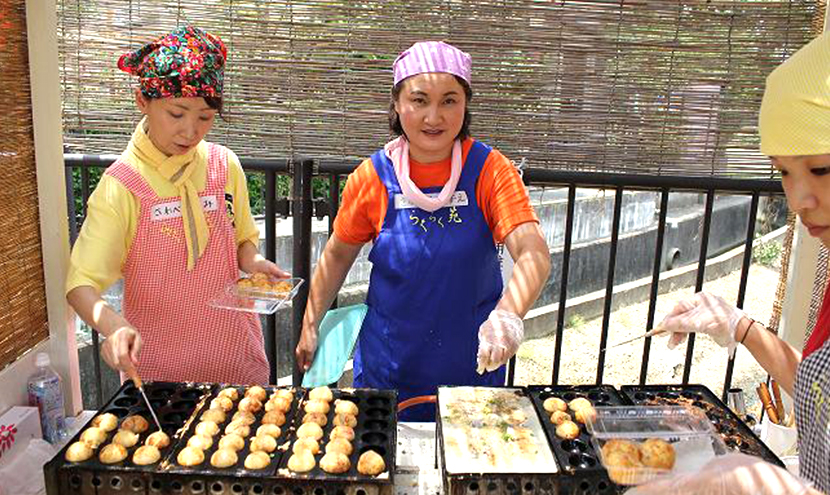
(335, 340)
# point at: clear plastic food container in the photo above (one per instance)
(257, 294)
(637, 444)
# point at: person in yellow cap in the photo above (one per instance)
(171, 217)
(795, 133)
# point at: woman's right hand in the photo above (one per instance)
(703, 313)
(306, 348)
(122, 348)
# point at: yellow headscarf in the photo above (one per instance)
(795, 113)
(178, 170)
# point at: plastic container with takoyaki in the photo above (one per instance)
(638, 444)
(257, 293)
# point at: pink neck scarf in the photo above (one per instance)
(398, 151)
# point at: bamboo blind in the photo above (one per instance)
(643, 86)
(23, 298)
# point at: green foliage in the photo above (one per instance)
(767, 254)
(575, 321)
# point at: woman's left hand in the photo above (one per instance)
(732, 474)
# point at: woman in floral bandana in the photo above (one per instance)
(434, 203)
(171, 217)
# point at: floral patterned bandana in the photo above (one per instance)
(185, 63)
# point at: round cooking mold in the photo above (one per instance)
(374, 437)
(126, 401)
(118, 411)
(378, 402)
(376, 424)
(569, 396)
(378, 449)
(576, 445)
(183, 404)
(377, 413)
(583, 461)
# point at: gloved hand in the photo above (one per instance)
(703, 313)
(732, 474)
(499, 338)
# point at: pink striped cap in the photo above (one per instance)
(432, 56)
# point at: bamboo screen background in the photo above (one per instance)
(651, 86)
(23, 321)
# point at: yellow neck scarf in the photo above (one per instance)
(178, 170)
(795, 113)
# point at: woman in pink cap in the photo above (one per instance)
(435, 203)
(171, 217)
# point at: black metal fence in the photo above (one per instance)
(303, 208)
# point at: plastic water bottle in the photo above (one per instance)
(46, 392)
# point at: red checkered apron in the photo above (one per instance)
(184, 338)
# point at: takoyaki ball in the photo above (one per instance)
(158, 439)
(318, 418)
(146, 455)
(112, 453)
(319, 406)
(223, 403)
(335, 463)
(264, 443)
(278, 404)
(257, 460)
(230, 392)
(321, 393)
(345, 420)
(78, 452)
(579, 403)
(126, 438)
(559, 417)
(232, 441)
(274, 418)
(224, 458)
(257, 393)
(283, 393)
(190, 456)
(346, 432)
(622, 468)
(135, 423)
(244, 417)
(240, 429)
(630, 449)
(301, 462)
(308, 444)
(345, 407)
(370, 463)
(657, 453)
(310, 430)
(553, 404)
(339, 445)
(271, 430)
(568, 430)
(250, 404)
(586, 414)
(94, 436)
(200, 442)
(207, 428)
(216, 415)
(106, 421)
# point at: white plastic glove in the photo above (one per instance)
(499, 338)
(732, 474)
(703, 313)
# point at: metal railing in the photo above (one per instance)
(303, 207)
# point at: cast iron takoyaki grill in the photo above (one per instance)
(735, 433)
(180, 406)
(580, 469)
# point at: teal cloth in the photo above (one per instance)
(335, 341)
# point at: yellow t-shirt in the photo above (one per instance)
(113, 212)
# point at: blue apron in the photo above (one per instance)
(435, 278)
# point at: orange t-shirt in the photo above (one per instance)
(500, 193)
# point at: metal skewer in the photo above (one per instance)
(650, 333)
(140, 386)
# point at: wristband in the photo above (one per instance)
(751, 323)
